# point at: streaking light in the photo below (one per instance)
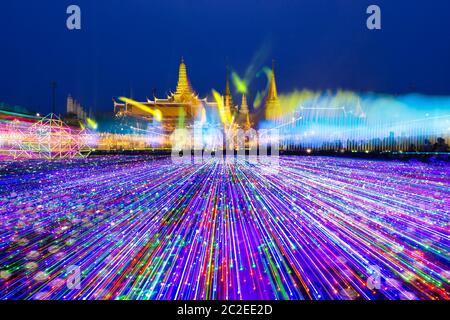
(154, 112)
(239, 84)
(91, 123)
(225, 117)
(145, 228)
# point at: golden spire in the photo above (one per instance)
(244, 105)
(227, 85)
(273, 108)
(228, 98)
(273, 86)
(184, 91)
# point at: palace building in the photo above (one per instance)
(183, 108)
(180, 109)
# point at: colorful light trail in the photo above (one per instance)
(142, 227)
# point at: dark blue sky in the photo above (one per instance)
(317, 44)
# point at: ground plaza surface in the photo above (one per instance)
(142, 227)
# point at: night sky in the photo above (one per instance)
(134, 46)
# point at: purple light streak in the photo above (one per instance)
(145, 228)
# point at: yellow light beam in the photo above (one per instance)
(239, 84)
(81, 125)
(224, 116)
(91, 123)
(154, 112)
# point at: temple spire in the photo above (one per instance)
(227, 85)
(273, 86)
(273, 108)
(244, 105)
(184, 90)
(228, 98)
(245, 112)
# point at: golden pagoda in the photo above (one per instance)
(184, 92)
(272, 106)
(243, 117)
(228, 98)
(244, 105)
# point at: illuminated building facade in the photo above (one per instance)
(74, 109)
